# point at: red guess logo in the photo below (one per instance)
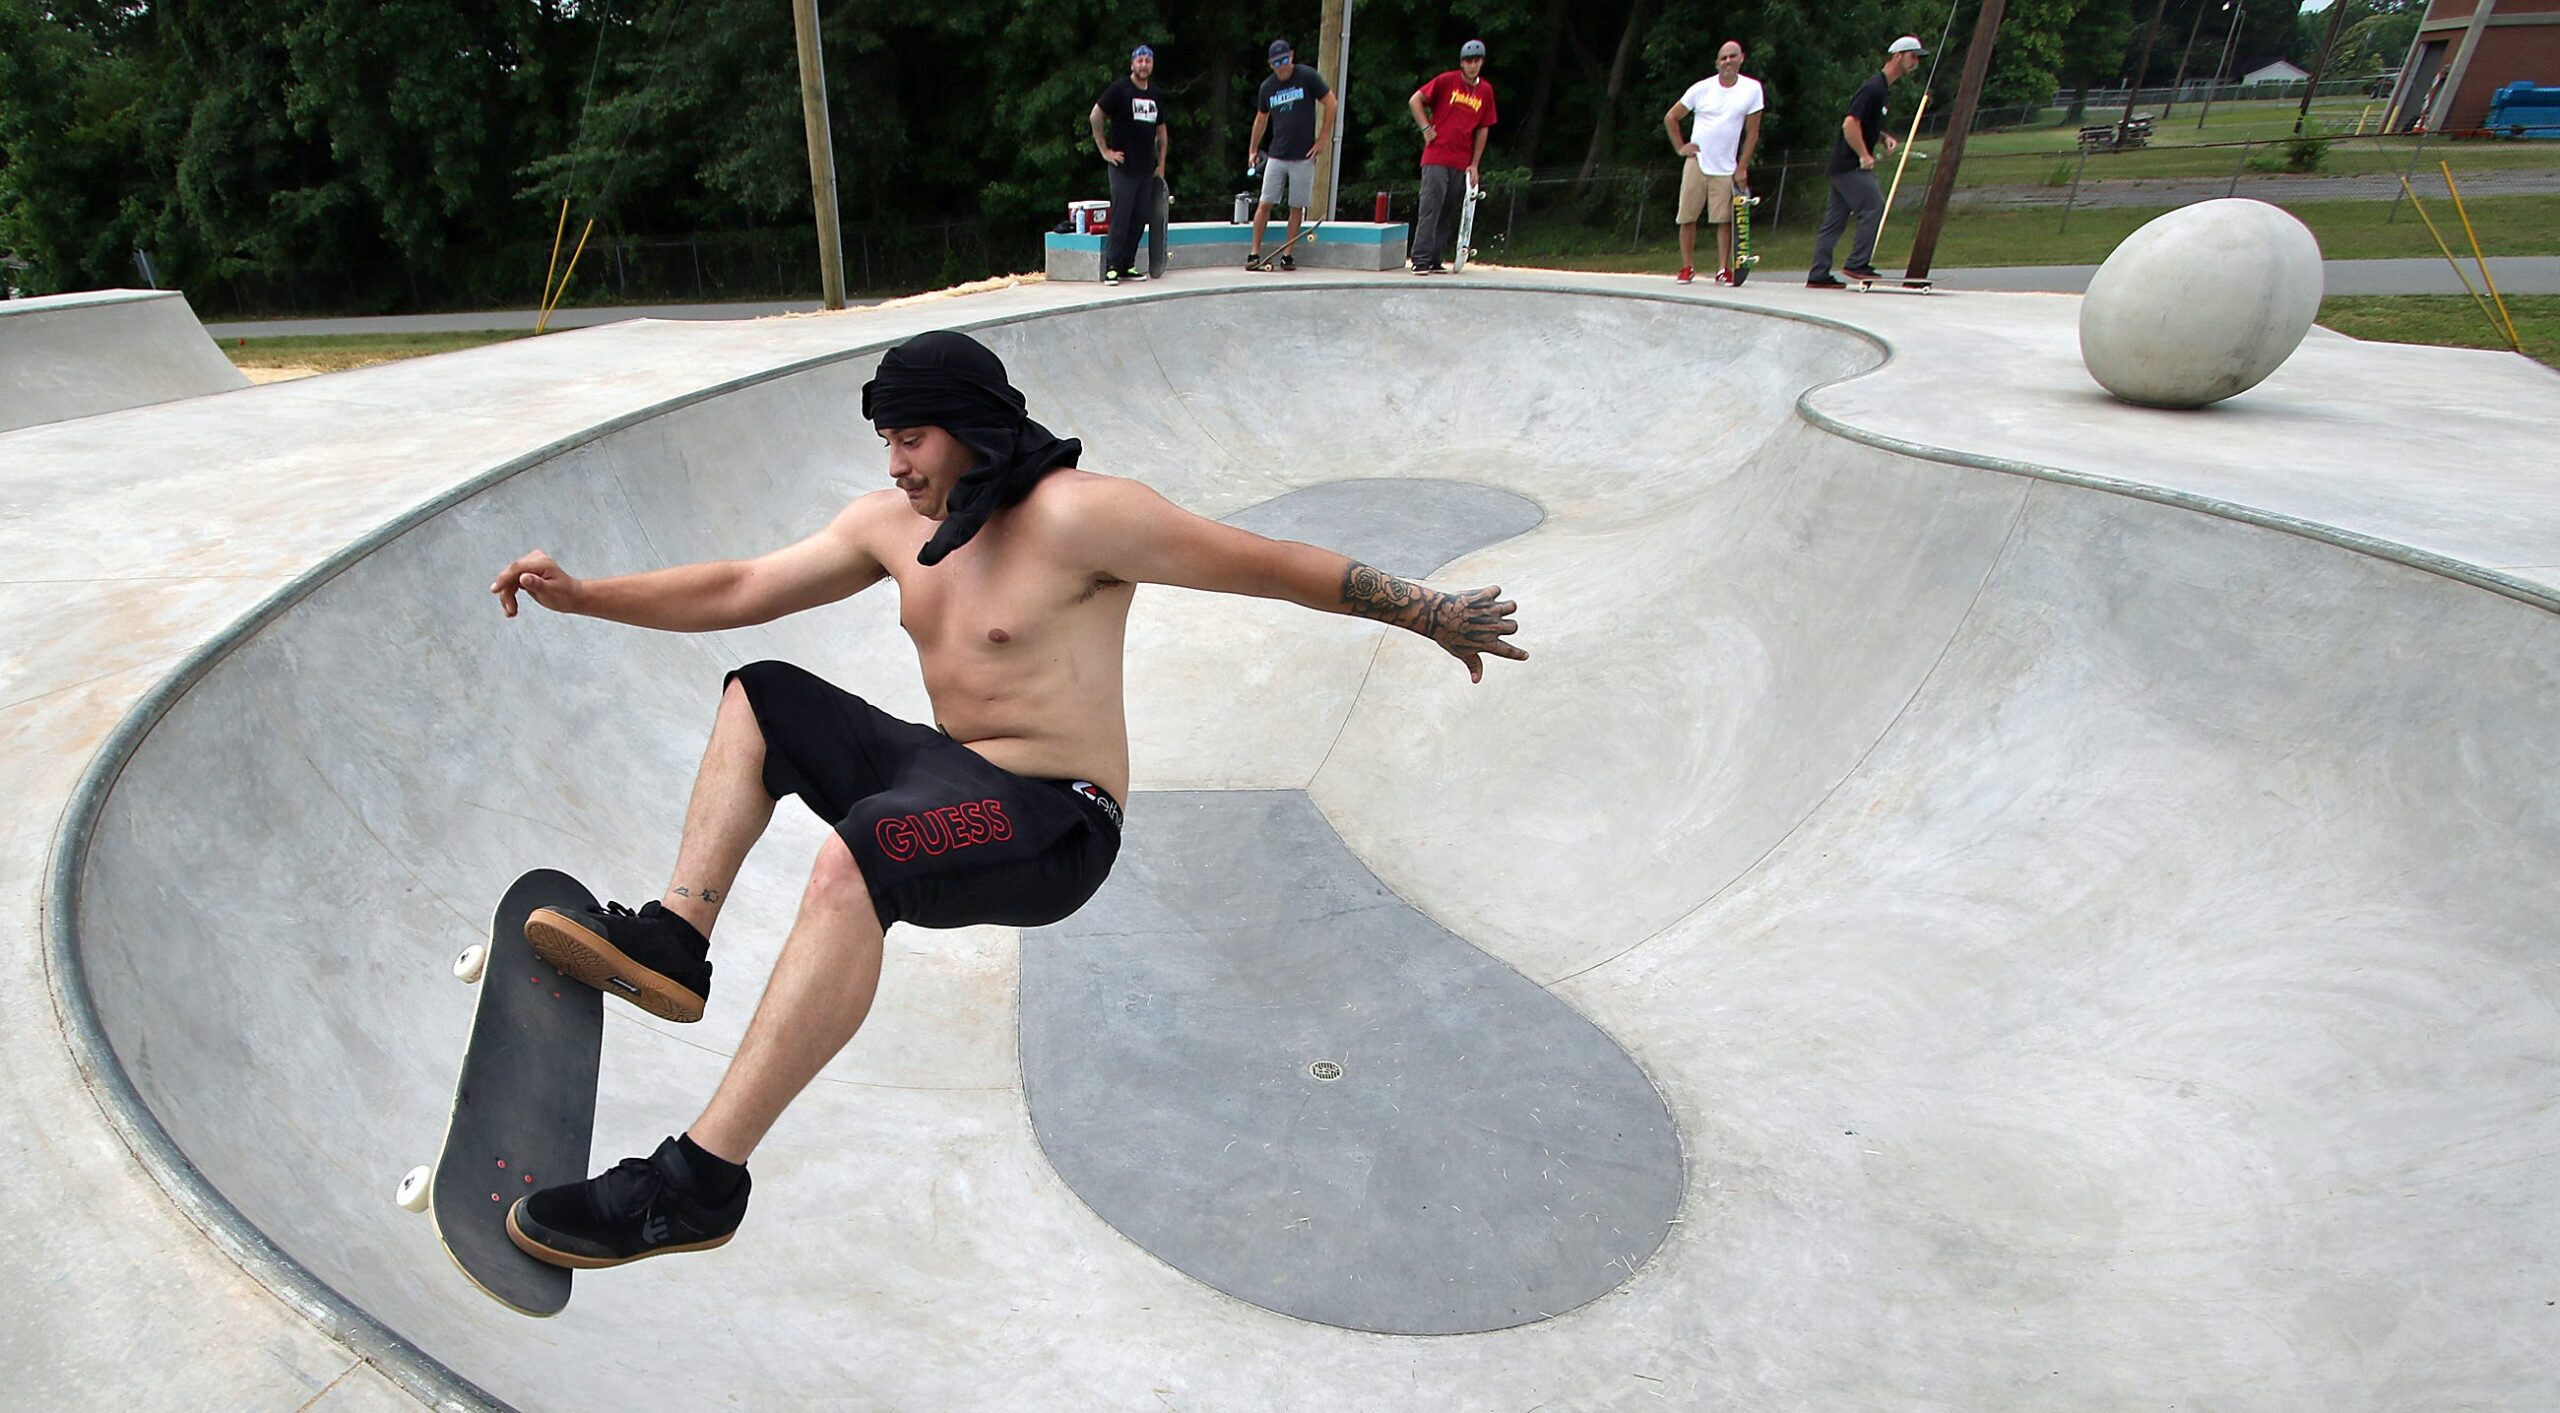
(903, 836)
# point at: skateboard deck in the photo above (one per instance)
(524, 1112)
(1743, 259)
(1271, 261)
(1888, 286)
(1466, 227)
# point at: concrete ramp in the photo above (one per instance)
(77, 355)
(2081, 952)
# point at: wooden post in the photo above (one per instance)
(1942, 182)
(2319, 61)
(822, 155)
(2141, 70)
(1329, 62)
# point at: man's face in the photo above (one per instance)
(1284, 64)
(1472, 68)
(926, 462)
(1143, 67)
(1729, 60)
(1901, 65)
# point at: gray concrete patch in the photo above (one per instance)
(1265, 1068)
(1407, 528)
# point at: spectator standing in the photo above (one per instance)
(1128, 123)
(1295, 106)
(1853, 170)
(1456, 114)
(1723, 133)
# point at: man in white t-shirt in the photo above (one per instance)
(1717, 155)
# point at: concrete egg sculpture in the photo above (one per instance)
(2201, 304)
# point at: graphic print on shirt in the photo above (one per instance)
(1142, 110)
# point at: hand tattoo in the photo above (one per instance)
(1462, 623)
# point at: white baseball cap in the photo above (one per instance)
(1908, 44)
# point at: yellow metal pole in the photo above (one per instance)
(2421, 208)
(544, 323)
(557, 233)
(2485, 278)
(1916, 115)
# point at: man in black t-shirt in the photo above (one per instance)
(1853, 171)
(1128, 123)
(1295, 107)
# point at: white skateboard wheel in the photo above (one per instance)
(413, 1188)
(468, 966)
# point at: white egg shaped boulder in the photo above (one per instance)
(2201, 304)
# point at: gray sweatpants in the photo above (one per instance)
(1853, 193)
(1435, 227)
(1137, 199)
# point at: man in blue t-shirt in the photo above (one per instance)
(1863, 137)
(1295, 107)
(1128, 123)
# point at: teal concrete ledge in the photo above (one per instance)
(1194, 245)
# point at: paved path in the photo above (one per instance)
(2282, 188)
(2515, 274)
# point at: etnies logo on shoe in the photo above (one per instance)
(903, 836)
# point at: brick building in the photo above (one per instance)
(2467, 50)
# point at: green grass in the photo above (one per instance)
(335, 353)
(2447, 320)
(2347, 230)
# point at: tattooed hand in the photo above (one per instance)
(1472, 626)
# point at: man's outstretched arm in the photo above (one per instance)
(1133, 534)
(832, 564)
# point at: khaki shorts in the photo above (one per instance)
(1700, 192)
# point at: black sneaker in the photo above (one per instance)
(1862, 272)
(651, 958)
(638, 1207)
(1288, 262)
(1825, 282)
(1253, 261)
(1111, 277)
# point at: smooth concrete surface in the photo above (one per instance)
(2201, 304)
(1257, 1063)
(487, 319)
(77, 355)
(2078, 876)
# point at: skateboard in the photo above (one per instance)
(1887, 286)
(1743, 259)
(1466, 227)
(1270, 261)
(524, 1111)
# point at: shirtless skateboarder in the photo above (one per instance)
(1015, 572)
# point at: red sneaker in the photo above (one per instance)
(1687, 273)
(1724, 277)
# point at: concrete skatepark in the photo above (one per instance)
(2072, 884)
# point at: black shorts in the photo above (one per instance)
(944, 838)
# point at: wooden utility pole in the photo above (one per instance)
(1329, 62)
(822, 152)
(2178, 85)
(2142, 69)
(1942, 182)
(2311, 85)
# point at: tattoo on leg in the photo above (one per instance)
(707, 895)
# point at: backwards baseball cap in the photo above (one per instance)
(1908, 44)
(1280, 50)
(1142, 52)
(1472, 49)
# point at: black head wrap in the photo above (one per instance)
(952, 381)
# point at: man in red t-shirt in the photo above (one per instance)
(1455, 113)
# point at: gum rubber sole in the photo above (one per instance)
(572, 1261)
(582, 955)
